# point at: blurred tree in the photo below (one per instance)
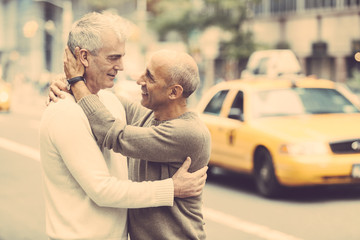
(188, 17)
(175, 15)
(100, 5)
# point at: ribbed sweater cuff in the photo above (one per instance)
(164, 192)
(90, 103)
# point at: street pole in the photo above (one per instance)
(209, 46)
(67, 18)
(141, 18)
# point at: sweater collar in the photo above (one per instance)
(186, 115)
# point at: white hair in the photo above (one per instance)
(87, 31)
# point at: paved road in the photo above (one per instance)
(232, 209)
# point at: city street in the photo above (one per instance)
(232, 209)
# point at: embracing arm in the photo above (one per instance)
(87, 165)
(184, 184)
(115, 134)
(164, 143)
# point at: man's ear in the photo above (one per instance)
(84, 55)
(176, 92)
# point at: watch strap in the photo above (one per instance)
(76, 79)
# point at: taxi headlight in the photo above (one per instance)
(308, 148)
(4, 96)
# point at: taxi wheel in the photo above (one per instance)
(264, 173)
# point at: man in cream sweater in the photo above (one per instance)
(87, 191)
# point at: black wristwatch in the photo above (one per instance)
(74, 80)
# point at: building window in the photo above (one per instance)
(282, 6)
(352, 3)
(258, 9)
(310, 4)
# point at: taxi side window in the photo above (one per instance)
(215, 104)
(237, 107)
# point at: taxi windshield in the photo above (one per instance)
(296, 101)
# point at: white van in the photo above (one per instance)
(272, 63)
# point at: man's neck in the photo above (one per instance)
(80, 90)
(171, 112)
(92, 88)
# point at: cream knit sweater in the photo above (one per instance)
(86, 191)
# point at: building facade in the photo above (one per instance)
(324, 34)
(33, 35)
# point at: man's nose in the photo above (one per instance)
(141, 80)
(119, 66)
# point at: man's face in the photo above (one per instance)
(103, 67)
(154, 84)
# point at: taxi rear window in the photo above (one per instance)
(215, 104)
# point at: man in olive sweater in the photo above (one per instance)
(158, 136)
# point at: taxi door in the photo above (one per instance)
(230, 135)
(212, 116)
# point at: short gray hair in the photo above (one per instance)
(87, 31)
(184, 71)
(187, 77)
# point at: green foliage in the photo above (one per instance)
(100, 5)
(175, 15)
(239, 47)
(189, 16)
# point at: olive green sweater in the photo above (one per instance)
(156, 150)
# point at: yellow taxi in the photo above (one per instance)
(5, 90)
(295, 132)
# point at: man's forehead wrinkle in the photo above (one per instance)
(116, 54)
(149, 73)
(113, 51)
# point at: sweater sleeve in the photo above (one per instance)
(134, 110)
(167, 142)
(87, 166)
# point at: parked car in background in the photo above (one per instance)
(299, 132)
(276, 63)
(5, 93)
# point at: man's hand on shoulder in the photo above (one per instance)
(189, 184)
(73, 67)
(56, 90)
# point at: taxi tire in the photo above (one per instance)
(264, 173)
